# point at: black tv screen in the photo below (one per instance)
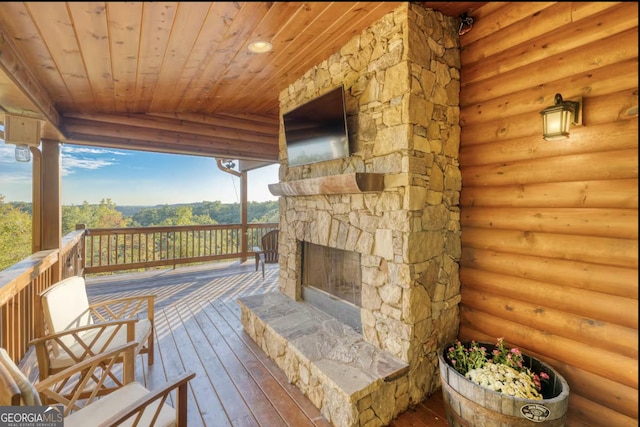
(317, 131)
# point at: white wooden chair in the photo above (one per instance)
(72, 330)
(128, 403)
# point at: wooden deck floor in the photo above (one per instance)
(198, 329)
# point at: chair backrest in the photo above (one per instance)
(15, 388)
(66, 305)
(270, 247)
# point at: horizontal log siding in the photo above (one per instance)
(550, 229)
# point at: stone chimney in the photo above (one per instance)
(402, 81)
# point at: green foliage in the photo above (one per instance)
(263, 212)
(15, 234)
(467, 357)
(170, 215)
(104, 215)
(15, 220)
(22, 206)
(270, 216)
(473, 355)
(205, 213)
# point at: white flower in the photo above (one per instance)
(504, 379)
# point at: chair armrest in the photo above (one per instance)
(105, 334)
(91, 377)
(76, 332)
(123, 308)
(137, 408)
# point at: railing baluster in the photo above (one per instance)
(136, 248)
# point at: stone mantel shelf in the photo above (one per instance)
(349, 183)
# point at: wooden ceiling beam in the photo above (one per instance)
(250, 122)
(219, 128)
(113, 135)
(166, 148)
(17, 70)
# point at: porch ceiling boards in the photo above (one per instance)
(198, 329)
(172, 77)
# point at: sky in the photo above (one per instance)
(127, 177)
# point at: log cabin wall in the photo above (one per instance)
(549, 229)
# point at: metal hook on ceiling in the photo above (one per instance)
(466, 23)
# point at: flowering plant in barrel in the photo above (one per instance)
(492, 385)
(500, 369)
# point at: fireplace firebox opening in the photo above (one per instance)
(331, 281)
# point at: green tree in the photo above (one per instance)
(146, 218)
(170, 215)
(103, 215)
(205, 213)
(270, 216)
(183, 215)
(15, 234)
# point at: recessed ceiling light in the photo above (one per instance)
(260, 47)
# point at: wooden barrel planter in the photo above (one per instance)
(470, 405)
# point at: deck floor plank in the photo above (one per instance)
(277, 375)
(261, 403)
(279, 391)
(173, 365)
(423, 416)
(198, 328)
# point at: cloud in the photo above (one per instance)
(11, 171)
(70, 149)
(89, 158)
(7, 153)
(24, 178)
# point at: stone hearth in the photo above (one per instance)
(402, 80)
(331, 363)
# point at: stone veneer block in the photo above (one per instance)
(344, 368)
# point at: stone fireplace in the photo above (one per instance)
(393, 203)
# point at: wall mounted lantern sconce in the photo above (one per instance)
(22, 153)
(558, 118)
(24, 132)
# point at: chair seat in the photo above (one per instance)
(103, 408)
(93, 393)
(62, 359)
(63, 331)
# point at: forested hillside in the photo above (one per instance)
(202, 213)
(15, 219)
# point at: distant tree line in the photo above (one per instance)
(204, 213)
(15, 219)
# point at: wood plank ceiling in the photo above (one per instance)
(172, 77)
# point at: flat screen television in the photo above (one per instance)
(317, 131)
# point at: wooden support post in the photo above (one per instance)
(243, 215)
(51, 200)
(36, 200)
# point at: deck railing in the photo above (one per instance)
(99, 250)
(119, 249)
(20, 285)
